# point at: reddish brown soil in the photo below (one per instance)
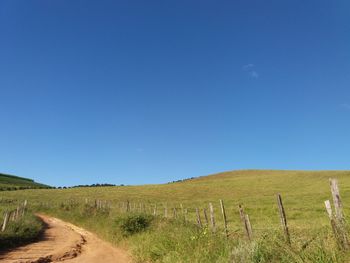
(63, 241)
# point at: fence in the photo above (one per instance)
(13, 215)
(205, 217)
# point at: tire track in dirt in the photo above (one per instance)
(63, 241)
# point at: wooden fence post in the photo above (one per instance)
(199, 221)
(338, 224)
(127, 206)
(283, 218)
(6, 219)
(205, 217)
(328, 206)
(224, 217)
(249, 226)
(174, 213)
(338, 206)
(17, 213)
(246, 223)
(212, 218)
(24, 207)
(13, 215)
(155, 210)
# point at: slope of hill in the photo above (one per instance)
(303, 194)
(12, 182)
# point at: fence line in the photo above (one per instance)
(203, 216)
(13, 215)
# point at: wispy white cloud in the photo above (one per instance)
(345, 106)
(254, 74)
(250, 69)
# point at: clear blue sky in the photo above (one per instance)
(138, 92)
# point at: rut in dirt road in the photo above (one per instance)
(63, 241)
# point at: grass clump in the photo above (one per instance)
(178, 241)
(133, 224)
(21, 232)
(271, 247)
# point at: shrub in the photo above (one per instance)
(134, 224)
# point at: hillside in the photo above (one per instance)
(303, 194)
(12, 182)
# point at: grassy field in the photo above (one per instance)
(303, 195)
(11, 182)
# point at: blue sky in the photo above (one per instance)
(138, 92)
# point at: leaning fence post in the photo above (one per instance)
(338, 206)
(224, 217)
(328, 206)
(283, 218)
(339, 222)
(6, 219)
(249, 226)
(246, 223)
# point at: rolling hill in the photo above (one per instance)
(303, 194)
(12, 182)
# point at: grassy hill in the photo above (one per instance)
(12, 182)
(303, 193)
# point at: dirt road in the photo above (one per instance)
(63, 241)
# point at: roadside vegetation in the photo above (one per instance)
(154, 238)
(24, 229)
(18, 233)
(158, 239)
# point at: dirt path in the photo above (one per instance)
(63, 241)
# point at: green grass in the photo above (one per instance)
(23, 231)
(11, 182)
(303, 195)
